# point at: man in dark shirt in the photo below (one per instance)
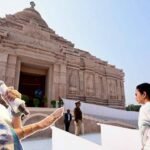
(67, 120)
(78, 118)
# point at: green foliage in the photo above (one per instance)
(133, 107)
(53, 103)
(45, 101)
(36, 102)
(25, 98)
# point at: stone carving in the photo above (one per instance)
(122, 90)
(3, 34)
(9, 81)
(113, 89)
(10, 22)
(82, 63)
(33, 30)
(90, 85)
(81, 76)
(101, 88)
(73, 81)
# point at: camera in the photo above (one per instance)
(17, 105)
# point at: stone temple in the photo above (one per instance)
(32, 55)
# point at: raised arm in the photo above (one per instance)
(28, 130)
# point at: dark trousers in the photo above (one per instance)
(67, 125)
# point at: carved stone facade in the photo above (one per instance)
(28, 45)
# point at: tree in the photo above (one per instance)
(133, 107)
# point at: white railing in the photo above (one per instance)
(118, 138)
(102, 111)
(62, 140)
(113, 138)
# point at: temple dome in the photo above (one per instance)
(31, 14)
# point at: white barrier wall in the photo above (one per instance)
(113, 138)
(62, 140)
(102, 110)
(118, 138)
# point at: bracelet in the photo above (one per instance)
(32, 130)
(23, 132)
(54, 118)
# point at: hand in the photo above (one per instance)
(51, 118)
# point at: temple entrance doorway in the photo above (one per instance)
(32, 87)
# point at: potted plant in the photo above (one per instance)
(26, 99)
(45, 102)
(53, 103)
(36, 102)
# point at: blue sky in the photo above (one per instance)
(117, 31)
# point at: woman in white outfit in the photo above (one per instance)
(143, 97)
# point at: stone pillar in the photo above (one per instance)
(73, 82)
(118, 90)
(55, 89)
(115, 89)
(17, 77)
(59, 81)
(81, 82)
(100, 87)
(122, 90)
(90, 84)
(108, 88)
(3, 65)
(11, 70)
(105, 87)
(97, 86)
(62, 81)
(49, 85)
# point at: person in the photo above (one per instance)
(78, 119)
(3, 102)
(67, 120)
(142, 95)
(11, 129)
(60, 102)
(38, 93)
(38, 96)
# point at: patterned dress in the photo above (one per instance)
(8, 138)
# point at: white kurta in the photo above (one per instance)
(144, 125)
